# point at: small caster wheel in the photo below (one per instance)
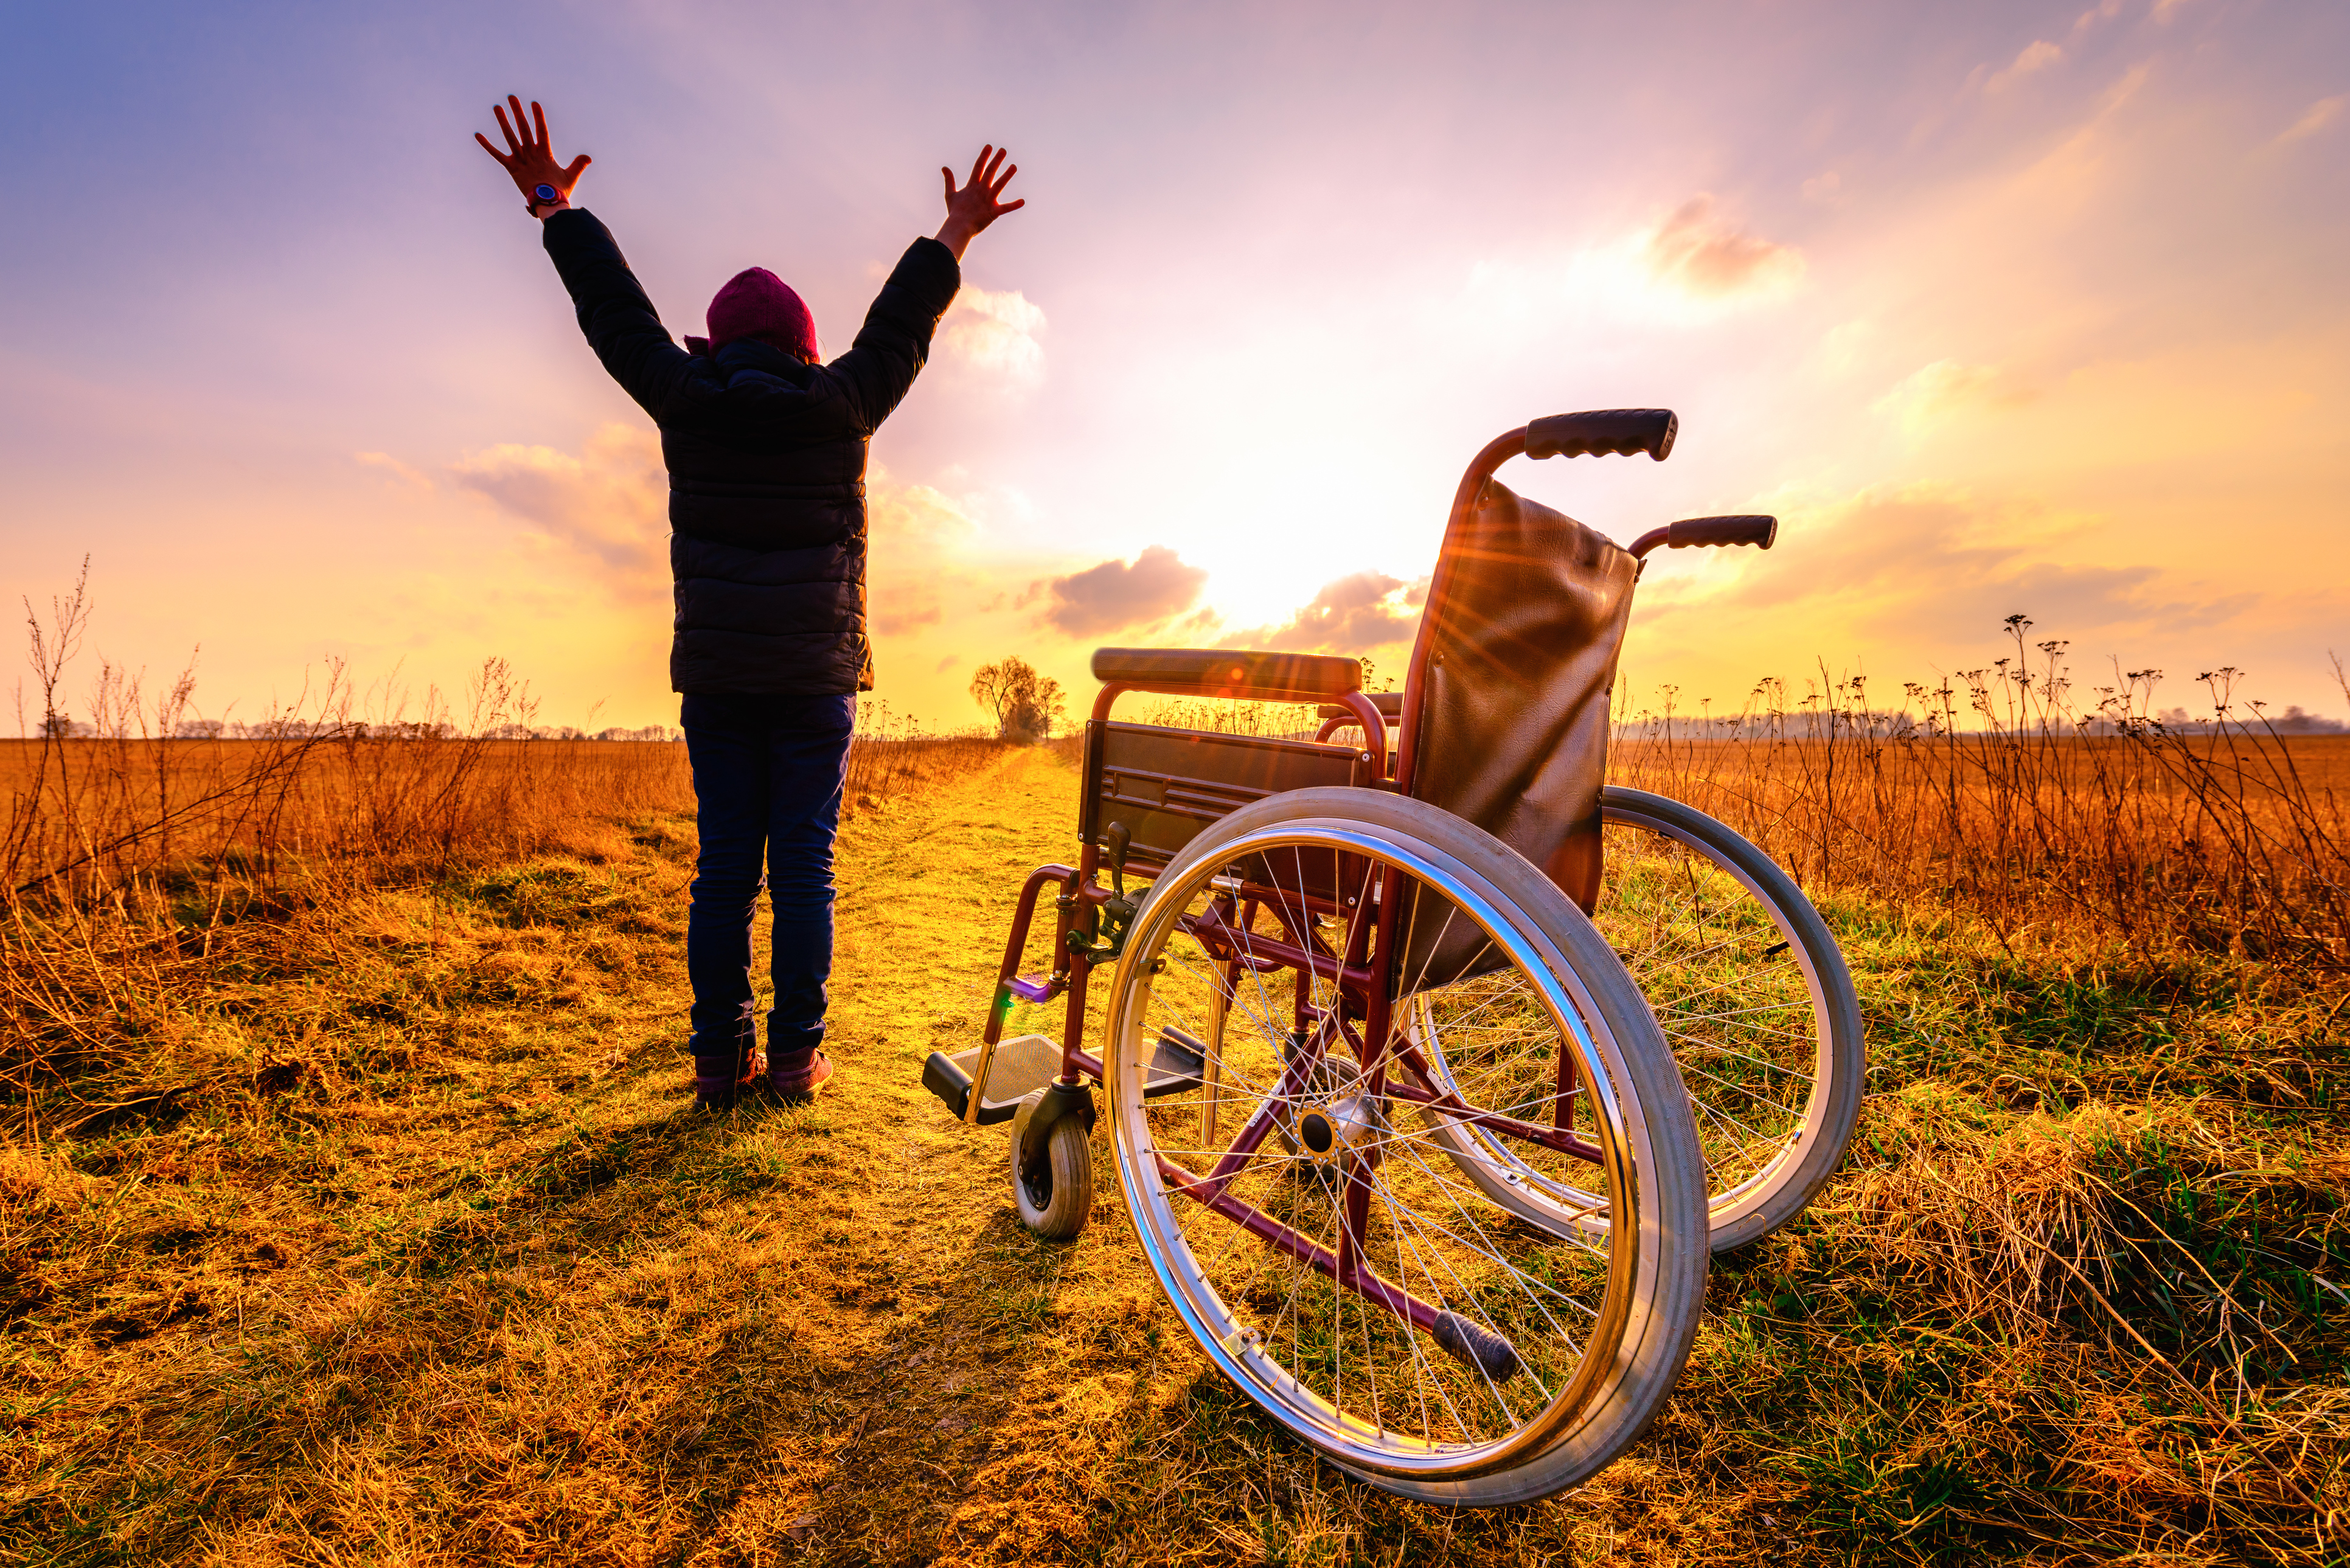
(1052, 1165)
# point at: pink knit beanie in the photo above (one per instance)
(756, 303)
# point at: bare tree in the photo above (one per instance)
(1025, 706)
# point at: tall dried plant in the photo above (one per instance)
(1999, 791)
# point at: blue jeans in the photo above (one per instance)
(768, 773)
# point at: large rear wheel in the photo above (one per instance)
(1752, 996)
(1304, 1200)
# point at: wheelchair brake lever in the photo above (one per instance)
(1115, 840)
(1103, 934)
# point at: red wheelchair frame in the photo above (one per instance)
(1519, 720)
(1083, 901)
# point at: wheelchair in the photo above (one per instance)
(1435, 1068)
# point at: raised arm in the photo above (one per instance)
(618, 317)
(895, 340)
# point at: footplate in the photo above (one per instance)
(1021, 1067)
(1026, 1064)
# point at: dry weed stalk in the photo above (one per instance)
(1227, 716)
(2002, 795)
(891, 756)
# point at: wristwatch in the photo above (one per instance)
(540, 195)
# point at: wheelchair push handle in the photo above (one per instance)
(1600, 431)
(1748, 529)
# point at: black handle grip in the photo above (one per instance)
(1601, 431)
(1761, 531)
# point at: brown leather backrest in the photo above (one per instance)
(1522, 627)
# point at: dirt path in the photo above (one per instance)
(835, 1343)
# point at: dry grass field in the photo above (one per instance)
(135, 818)
(386, 1235)
(2233, 841)
(352, 1209)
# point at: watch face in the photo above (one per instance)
(546, 192)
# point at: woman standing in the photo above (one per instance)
(766, 447)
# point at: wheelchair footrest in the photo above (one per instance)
(1021, 1067)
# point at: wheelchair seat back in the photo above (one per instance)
(1517, 657)
(1514, 666)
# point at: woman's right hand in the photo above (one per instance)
(531, 161)
(975, 206)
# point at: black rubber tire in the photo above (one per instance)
(1052, 1188)
(1778, 1194)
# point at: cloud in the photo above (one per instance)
(2036, 56)
(1353, 614)
(994, 333)
(914, 532)
(914, 516)
(610, 502)
(1932, 566)
(1156, 586)
(2103, 12)
(1935, 392)
(1705, 254)
(397, 469)
(2318, 116)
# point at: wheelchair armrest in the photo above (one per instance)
(1388, 703)
(1219, 672)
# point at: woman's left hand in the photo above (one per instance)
(531, 161)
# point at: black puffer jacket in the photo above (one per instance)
(766, 467)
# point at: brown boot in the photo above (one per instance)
(793, 1081)
(717, 1083)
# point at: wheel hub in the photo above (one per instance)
(1328, 1130)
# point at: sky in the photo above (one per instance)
(2002, 308)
